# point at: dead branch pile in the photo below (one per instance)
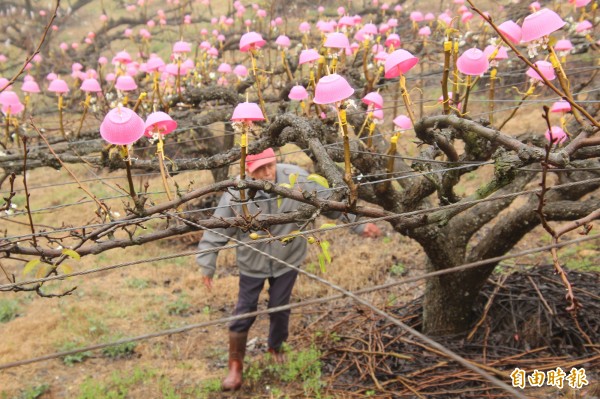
(522, 323)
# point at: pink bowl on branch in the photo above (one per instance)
(13, 109)
(511, 30)
(298, 93)
(283, 41)
(557, 136)
(58, 86)
(370, 29)
(159, 122)
(425, 31)
(240, 71)
(393, 40)
(373, 98)
(403, 122)
(304, 27)
(560, 106)
(224, 68)
(584, 26)
(416, 16)
(378, 114)
(155, 64)
(251, 40)
(380, 57)
(337, 40)
(545, 68)
(8, 97)
(90, 85)
(332, 89)
(29, 86)
(247, 112)
(563, 45)
(125, 83)
(541, 23)
(182, 47)
(122, 57)
(309, 55)
(501, 54)
(399, 62)
(121, 126)
(473, 62)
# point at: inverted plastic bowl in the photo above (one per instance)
(159, 122)
(8, 97)
(473, 62)
(416, 16)
(545, 68)
(174, 70)
(29, 86)
(399, 62)
(425, 31)
(558, 135)
(337, 40)
(541, 23)
(346, 21)
(251, 40)
(125, 83)
(560, 106)
(121, 126)
(90, 85)
(298, 93)
(13, 109)
(511, 30)
(370, 29)
(393, 40)
(240, 71)
(373, 98)
(122, 57)
(155, 64)
(283, 41)
(224, 68)
(182, 47)
(378, 114)
(403, 122)
(304, 27)
(246, 112)
(563, 45)
(309, 55)
(331, 89)
(58, 86)
(583, 26)
(502, 53)
(381, 56)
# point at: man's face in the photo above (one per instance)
(265, 172)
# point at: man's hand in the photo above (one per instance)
(371, 231)
(208, 282)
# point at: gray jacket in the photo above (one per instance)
(252, 263)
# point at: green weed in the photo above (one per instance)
(9, 309)
(70, 360)
(119, 351)
(117, 387)
(34, 392)
(137, 283)
(180, 307)
(398, 269)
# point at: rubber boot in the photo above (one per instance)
(237, 351)
(278, 355)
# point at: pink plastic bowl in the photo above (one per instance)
(240, 71)
(331, 89)
(541, 23)
(122, 126)
(310, 55)
(563, 45)
(425, 31)
(560, 106)
(378, 114)
(90, 86)
(558, 135)
(224, 68)
(247, 112)
(399, 62)
(283, 41)
(545, 68)
(58, 86)
(182, 47)
(511, 30)
(393, 40)
(381, 56)
(251, 40)
(346, 21)
(29, 86)
(155, 64)
(336, 40)
(304, 27)
(125, 83)
(8, 97)
(159, 122)
(298, 93)
(403, 122)
(416, 16)
(583, 26)
(373, 98)
(13, 109)
(473, 62)
(370, 29)
(122, 57)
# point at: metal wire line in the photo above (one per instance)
(295, 305)
(303, 233)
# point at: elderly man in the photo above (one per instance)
(256, 268)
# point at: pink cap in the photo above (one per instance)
(159, 122)
(251, 40)
(255, 161)
(399, 62)
(403, 122)
(283, 41)
(331, 89)
(298, 93)
(502, 53)
(416, 16)
(563, 45)
(29, 86)
(247, 112)
(583, 26)
(545, 68)
(240, 71)
(511, 30)
(558, 135)
(425, 31)
(13, 108)
(309, 55)
(58, 86)
(8, 97)
(125, 83)
(337, 40)
(121, 126)
(393, 40)
(373, 98)
(224, 68)
(91, 85)
(182, 47)
(541, 23)
(155, 64)
(122, 57)
(473, 62)
(370, 29)
(560, 106)
(304, 27)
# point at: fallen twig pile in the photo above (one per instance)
(522, 323)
